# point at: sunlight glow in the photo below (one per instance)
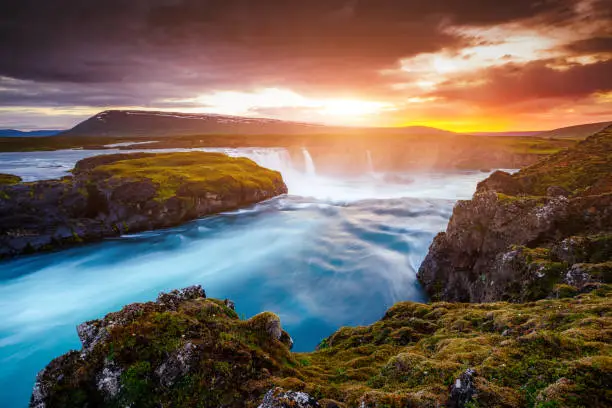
(266, 101)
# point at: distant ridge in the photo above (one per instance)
(575, 132)
(520, 133)
(570, 132)
(33, 133)
(133, 123)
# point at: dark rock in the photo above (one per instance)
(556, 191)
(40, 392)
(286, 339)
(230, 304)
(462, 390)
(500, 182)
(477, 260)
(91, 334)
(279, 398)
(135, 192)
(175, 297)
(177, 365)
(108, 380)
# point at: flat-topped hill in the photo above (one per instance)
(179, 174)
(116, 194)
(135, 123)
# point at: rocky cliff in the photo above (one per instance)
(531, 235)
(116, 194)
(186, 350)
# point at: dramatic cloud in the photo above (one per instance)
(337, 61)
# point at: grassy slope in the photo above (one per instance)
(545, 354)
(587, 165)
(578, 132)
(416, 351)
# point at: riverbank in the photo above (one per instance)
(110, 195)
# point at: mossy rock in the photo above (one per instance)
(194, 353)
(9, 179)
(191, 174)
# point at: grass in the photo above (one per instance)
(191, 174)
(9, 179)
(587, 168)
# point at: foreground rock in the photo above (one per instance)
(186, 350)
(115, 194)
(543, 232)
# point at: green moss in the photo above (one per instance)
(565, 291)
(586, 168)
(136, 385)
(9, 179)
(192, 174)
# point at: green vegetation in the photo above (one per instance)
(29, 144)
(191, 174)
(587, 168)
(533, 145)
(9, 179)
(550, 353)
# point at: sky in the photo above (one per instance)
(469, 65)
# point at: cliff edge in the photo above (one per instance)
(544, 230)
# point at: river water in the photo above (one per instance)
(335, 251)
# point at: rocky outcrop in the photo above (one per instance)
(147, 352)
(515, 239)
(116, 194)
(462, 390)
(279, 398)
(187, 350)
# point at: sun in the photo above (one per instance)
(351, 107)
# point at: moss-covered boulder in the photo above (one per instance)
(114, 194)
(9, 179)
(186, 350)
(522, 235)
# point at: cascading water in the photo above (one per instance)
(370, 163)
(309, 163)
(335, 251)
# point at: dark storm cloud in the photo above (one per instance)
(140, 52)
(87, 41)
(536, 80)
(591, 45)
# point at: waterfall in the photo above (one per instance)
(370, 163)
(309, 164)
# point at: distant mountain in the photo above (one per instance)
(575, 132)
(33, 133)
(130, 123)
(519, 133)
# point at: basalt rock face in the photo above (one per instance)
(114, 194)
(530, 235)
(186, 350)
